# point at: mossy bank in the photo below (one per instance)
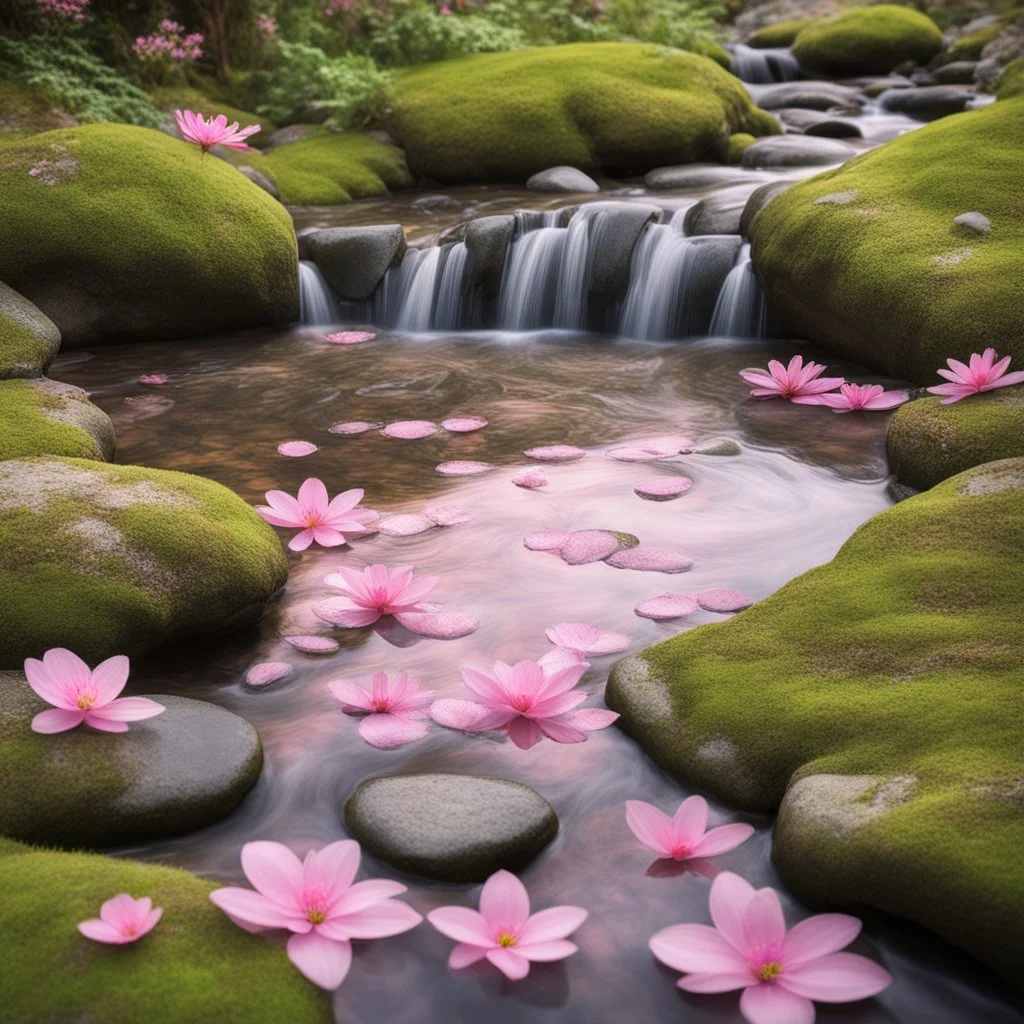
(45, 417)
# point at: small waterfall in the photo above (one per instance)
(417, 304)
(571, 296)
(654, 300)
(451, 295)
(763, 67)
(740, 310)
(317, 303)
(528, 287)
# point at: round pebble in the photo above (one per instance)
(353, 427)
(555, 453)
(267, 672)
(405, 525)
(439, 625)
(663, 488)
(666, 606)
(530, 479)
(586, 546)
(462, 468)
(651, 559)
(546, 540)
(446, 515)
(464, 424)
(410, 430)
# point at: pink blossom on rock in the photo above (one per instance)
(555, 453)
(396, 708)
(583, 639)
(646, 559)
(666, 606)
(122, 919)
(79, 694)
(585, 546)
(504, 931)
(985, 372)
(153, 378)
(350, 337)
(685, 835)
(318, 519)
(439, 625)
(464, 424)
(793, 381)
(373, 592)
(529, 479)
(214, 132)
(297, 449)
(410, 430)
(780, 972)
(857, 398)
(318, 903)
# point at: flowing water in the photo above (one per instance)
(805, 479)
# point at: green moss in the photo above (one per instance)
(1011, 81)
(888, 278)
(782, 33)
(334, 167)
(117, 559)
(125, 233)
(616, 107)
(929, 442)
(171, 98)
(30, 423)
(738, 144)
(969, 45)
(29, 341)
(899, 659)
(867, 41)
(193, 968)
(24, 110)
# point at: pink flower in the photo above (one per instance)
(857, 397)
(529, 700)
(445, 9)
(318, 519)
(983, 374)
(122, 919)
(396, 710)
(376, 591)
(504, 931)
(316, 901)
(779, 972)
(791, 381)
(686, 835)
(586, 639)
(214, 132)
(79, 695)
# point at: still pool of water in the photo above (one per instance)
(805, 479)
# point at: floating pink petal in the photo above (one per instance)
(723, 600)
(267, 672)
(586, 639)
(585, 546)
(447, 515)
(313, 644)
(410, 430)
(296, 449)
(857, 398)
(648, 559)
(353, 427)
(463, 468)
(684, 836)
(350, 337)
(530, 479)
(153, 378)
(396, 708)
(464, 424)
(663, 488)
(405, 525)
(667, 606)
(546, 540)
(439, 625)
(371, 593)
(555, 453)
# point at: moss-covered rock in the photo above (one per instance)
(781, 33)
(882, 274)
(970, 45)
(1011, 81)
(893, 673)
(193, 968)
(616, 107)
(116, 559)
(867, 41)
(737, 146)
(29, 340)
(120, 233)
(45, 417)
(929, 442)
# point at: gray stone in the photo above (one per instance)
(719, 214)
(259, 179)
(562, 179)
(457, 828)
(180, 771)
(71, 406)
(874, 87)
(29, 340)
(922, 78)
(974, 221)
(718, 446)
(814, 122)
(929, 103)
(796, 151)
(694, 176)
(812, 96)
(758, 200)
(487, 240)
(715, 257)
(614, 231)
(355, 259)
(960, 72)
(284, 136)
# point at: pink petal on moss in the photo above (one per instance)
(296, 449)
(410, 430)
(586, 546)
(446, 515)
(405, 525)
(313, 644)
(555, 453)
(530, 479)
(353, 427)
(723, 600)
(439, 625)
(546, 540)
(651, 559)
(663, 488)
(267, 672)
(462, 468)
(464, 424)
(666, 606)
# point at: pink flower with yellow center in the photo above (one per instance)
(213, 132)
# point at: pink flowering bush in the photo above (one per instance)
(69, 10)
(167, 51)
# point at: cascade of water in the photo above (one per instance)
(655, 298)
(762, 67)
(571, 290)
(740, 309)
(317, 302)
(527, 299)
(417, 308)
(450, 314)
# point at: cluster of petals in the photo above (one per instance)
(122, 919)
(857, 398)
(396, 709)
(984, 372)
(780, 972)
(504, 931)
(318, 518)
(319, 902)
(684, 836)
(373, 592)
(529, 701)
(79, 694)
(213, 132)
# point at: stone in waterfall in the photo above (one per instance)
(796, 151)
(811, 96)
(719, 214)
(716, 256)
(929, 103)
(814, 122)
(355, 259)
(46, 417)
(758, 200)
(458, 828)
(562, 179)
(487, 240)
(29, 340)
(871, 697)
(614, 231)
(177, 772)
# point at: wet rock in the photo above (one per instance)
(716, 255)
(355, 259)
(922, 78)
(435, 204)
(487, 240)
(796, 151)
(874, 87)
(813, 122)
(180, 771)
(562, 179)
(29, 340)
(960, 72)
(457, 828)
(811, 96)
(929, 103)
(586, 546)
(259, 179)
(719, 214)
(693, 176)
(758, 200)
(974, 221)
(45, 417)
(614, 231)
(719, 446)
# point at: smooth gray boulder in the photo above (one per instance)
(180, 771)
(29, 339)
(694, 176)
(719, 214)
(796, 151)
(259, 179)
(929, 103)
(487, 240)
(355, 259)
(814, 122)
(285, 136)
(974, 221)
(758, 200)
(562, 179)
(812, 96)
(719, 446)
(614, 232)
(959, 72)
(457, 828)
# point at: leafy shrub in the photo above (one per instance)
(544, 22)
(682, 24)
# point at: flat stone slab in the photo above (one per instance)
(456, 828)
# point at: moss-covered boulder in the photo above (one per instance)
(868, 260)
(29, 340)
(110, 560)
(878, 699)
(781, 33)
(1011, 81)
(616, 107)
(193, 968)
(120, 233)
(180, 771)
(737, 146)
(45, 417)
(867, 41)
(929, 442)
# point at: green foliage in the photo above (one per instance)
(549, 22)
(682, 24)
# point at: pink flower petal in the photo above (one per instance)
(585, 546)
(698, 948)
(461, 924)
(313, 644)
(439, 625)
(464, 424)
(552, 924)
(723, 600)
(323, 961)
(588, 639)
(651, 826)
(410, 430)
(666, 606)
(648, 559)
(386, 732)
(468, 716)
(513, 966)
(837, 978)
(555, 453)
(546, 952)
(296, 449)
(462, 468)
(722, 840)
(57, 720)
(350, 337)
(504, 902)
(663, 488)
(267, 672)
(546, 540)
(353, 427)
(342, 611)
(818, 936)
(772, 1004)
(446, 515)
(405, 525)
(591, 719)
(124, 709)
(530, 479)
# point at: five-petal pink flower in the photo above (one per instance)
(213, 132)
(122, 919)
(528, 700)
(685, 835)
(985, 372)
(317, 518)
(781, 972)
(79, 695)
(792, 381)
(396, 709)
(318, 903)
(857, 398)
(374, 592)
(504, 931)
